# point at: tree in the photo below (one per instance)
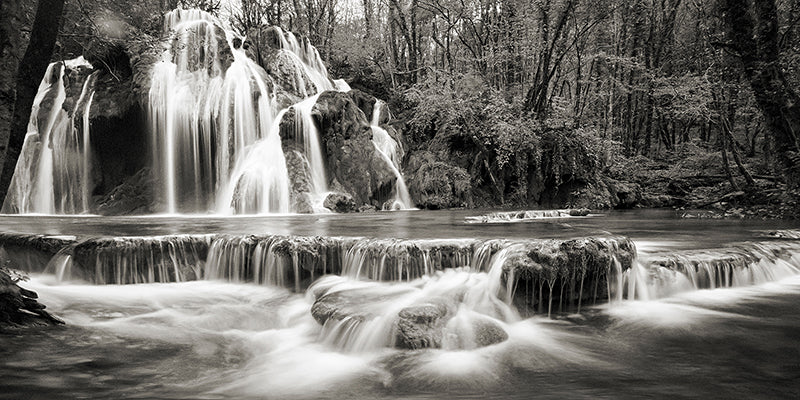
(32, 68)
(9, 60)
(752, 27)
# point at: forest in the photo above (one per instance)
(509, 103)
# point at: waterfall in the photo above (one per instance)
(213, 124)
(388, 149)
(209, 105)
(52, 175)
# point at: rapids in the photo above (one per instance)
(691, 315)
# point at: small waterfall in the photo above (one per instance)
(131, 260)
(746, 264)
(449, 309)
(308, 57)
(389, 150)
(306, 131)
(53, 175)
(259, 182)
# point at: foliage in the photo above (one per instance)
(508, 152)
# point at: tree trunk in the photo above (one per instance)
(31, 70)
(753, 30)
(10, 50)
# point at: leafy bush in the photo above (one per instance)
(508, 153)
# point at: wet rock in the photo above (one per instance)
(299, 179)
(19, 307)
(354, 166)
(364, 101)
(421, 326)
(367, 208)
(130, 260)
(264, 42)
(340, 203)
(579, 212)
(624, 194)
(578, 270)
(487, 332)
(290, 74)
(135, 196)
(391, 205)
(30, 253)
(338, 306)
(434, 184)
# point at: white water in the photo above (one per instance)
(306, 131)
(307, 56)
(205, 114)
(389, 150)
(52, 175)
(201, 108)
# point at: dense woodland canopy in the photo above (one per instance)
(522, 95)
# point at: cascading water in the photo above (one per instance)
(53, 173)
(306, 130)
(216, 126)
(308, 57)
(748, 264)
(388, 148)
(209, 103)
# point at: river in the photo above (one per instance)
(213, 339)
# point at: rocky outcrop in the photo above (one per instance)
(353, 164)
(135, 196)
(19, 307)
(340, 203)
(434, 184)
(566, 273)
(263, 45)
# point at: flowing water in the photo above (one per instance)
(214, 128)
(54, 168)
(390, 151)
(708, 309)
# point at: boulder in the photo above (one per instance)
(434, 184)
(364, 101)
(421, 326)
(486, 332)
(337, 306)
(474, 332)
(340, 203)
(624, 194)
(578, 212)
(367, 208)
